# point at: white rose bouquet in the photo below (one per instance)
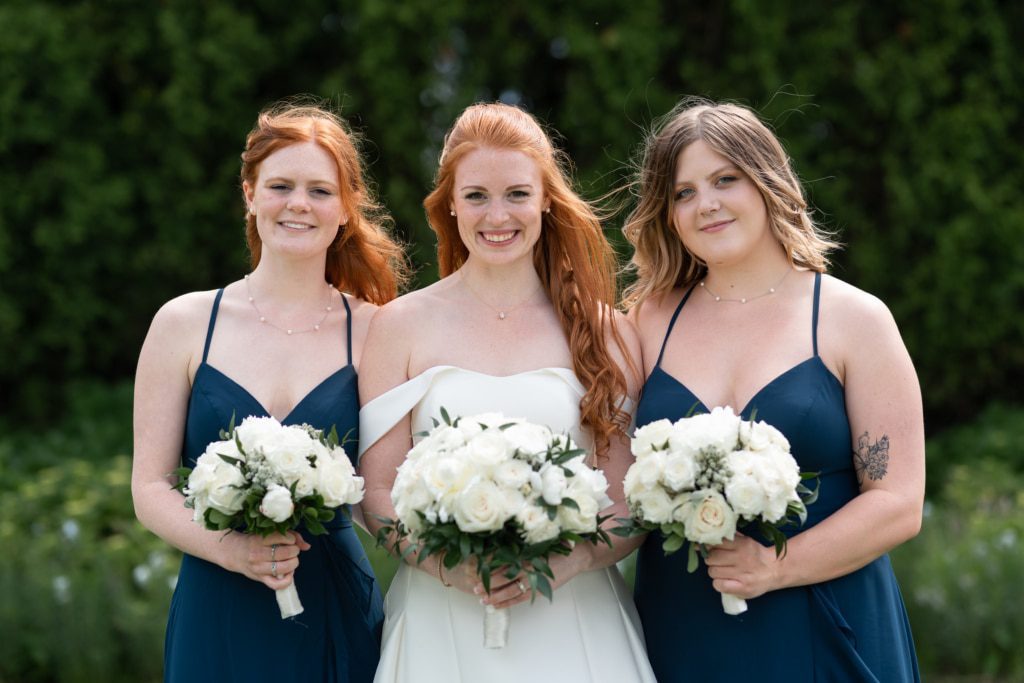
(502, 492)
(264, 477)
(699, 478)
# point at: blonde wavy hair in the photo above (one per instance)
(660, 261)
(363, 259)
(575, 263)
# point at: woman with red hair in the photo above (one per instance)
(283, 341)
(521, 323)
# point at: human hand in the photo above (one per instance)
(743, 567)
(271, 560)
(507, 592)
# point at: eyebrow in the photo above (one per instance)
(315, 181)
(720, 169)
(510, 187)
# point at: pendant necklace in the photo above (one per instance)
(503, 311)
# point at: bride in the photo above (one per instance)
(521, 323)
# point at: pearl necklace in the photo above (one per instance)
(771, 290)
(286, 330)
(502, 312)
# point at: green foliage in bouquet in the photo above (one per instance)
(492, 551)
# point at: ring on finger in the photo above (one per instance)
(273, 551)
(273, 569)
(521, 585)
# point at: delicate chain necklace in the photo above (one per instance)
(286, 330)
(502, 312)
(771, 290)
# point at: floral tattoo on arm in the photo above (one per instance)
(871, 460)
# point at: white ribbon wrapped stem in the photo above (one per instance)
(733, 605)
(496, 623)
(288, 601)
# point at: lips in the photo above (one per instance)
(716, 226)
(499, 237)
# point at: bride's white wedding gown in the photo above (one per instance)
(432, 634)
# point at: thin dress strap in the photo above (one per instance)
(213, 321)
(348, 325)
(814, 315)
(672, 323)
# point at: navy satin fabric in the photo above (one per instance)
(225, 627)
(853, 628)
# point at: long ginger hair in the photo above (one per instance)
(363, 259)
(575, 263)
(660, 260)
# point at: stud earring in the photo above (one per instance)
(452, 212)
(252, 211)
(547, 210)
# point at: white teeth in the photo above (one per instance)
(498, 237)
(295, 226)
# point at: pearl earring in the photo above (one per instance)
(452, 212)
(252, 210)
(547, 210)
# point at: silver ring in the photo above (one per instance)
(522, 586)
(273, 551)
(273, 569)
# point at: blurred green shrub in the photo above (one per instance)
(121, 125)
(961, 577)
(84, 589)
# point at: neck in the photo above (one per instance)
(748, 279)
(282, 282)
(506, 284)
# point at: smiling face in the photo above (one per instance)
(717, 211)
(297, 202)
(498, 198)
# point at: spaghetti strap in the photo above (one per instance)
(672, 323)
(814, 315)
(348, 325)
(213, 321)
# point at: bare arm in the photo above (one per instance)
(162, 390)
(883, 402)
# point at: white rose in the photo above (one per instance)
(277, 503)
(529, 438)
(227, 489)
(447, 438)
(757, 436)
(287, 453)
(680, 472)
(536, 526)
(652, 436)
(446, 475)
(649, 469)
(488, 448)
(480, 507)
(255, 431)
(553, 484)
(581, 521)
(746, 496)
(718, 429)
(654, 505)
(337, 481)
(712, 520)
(512, 474)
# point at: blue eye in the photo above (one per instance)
(726, 179)
(475, 196)
(519, 194)
(684, 194)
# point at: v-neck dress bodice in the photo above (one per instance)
(226, 627)
(853, 628)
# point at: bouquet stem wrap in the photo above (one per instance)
(288, 601)
(496, 623)
(733, 605)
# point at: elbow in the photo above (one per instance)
(908, 521)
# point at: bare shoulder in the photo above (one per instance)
(652, 315)
(185, 315)
(853, 310)
(408, 312)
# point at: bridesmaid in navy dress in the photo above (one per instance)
(284, 341)
(734, 308)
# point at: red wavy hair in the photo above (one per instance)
(363, 259)
(575, 263)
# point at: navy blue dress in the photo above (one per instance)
(850, 629)
(225, 627)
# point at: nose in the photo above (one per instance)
(297, 202)
(497, 214)
(709, 205)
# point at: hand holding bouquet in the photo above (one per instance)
(264, 478)
(698, 478)
(502, 492)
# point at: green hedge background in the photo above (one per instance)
(120, 128)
